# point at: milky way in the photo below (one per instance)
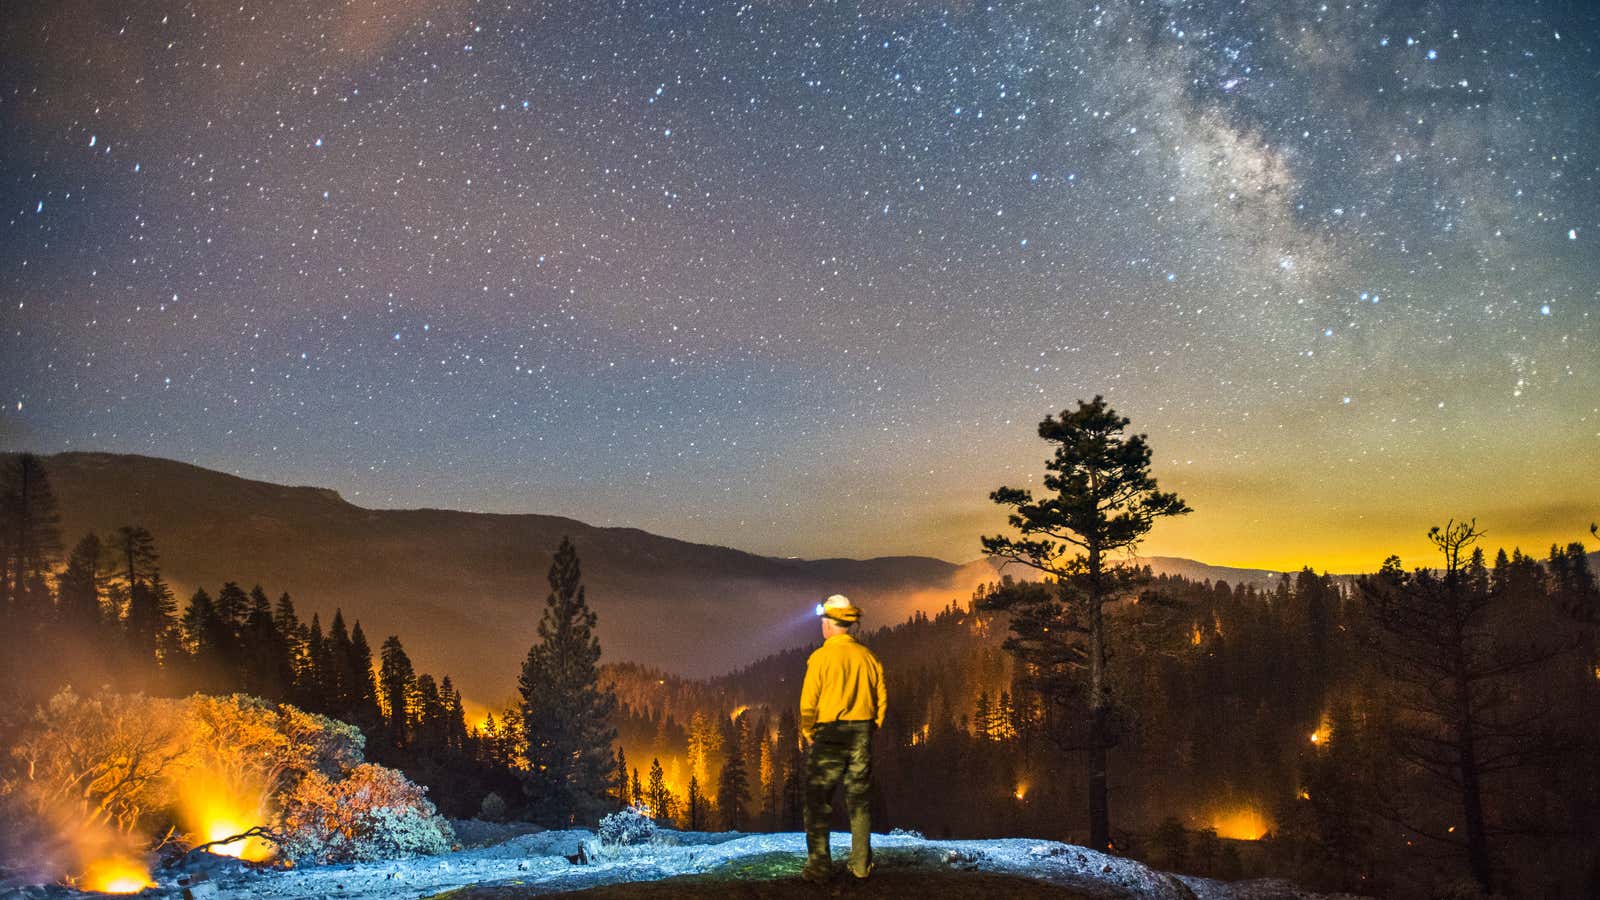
(802, 278)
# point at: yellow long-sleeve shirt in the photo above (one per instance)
(844, 681)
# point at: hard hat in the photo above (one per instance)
(840, 609)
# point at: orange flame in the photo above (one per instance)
(116, 875)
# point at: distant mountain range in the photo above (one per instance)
(465, 590)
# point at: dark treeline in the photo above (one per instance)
(1256, 731)
(106, 618)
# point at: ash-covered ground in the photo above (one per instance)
(500, 862)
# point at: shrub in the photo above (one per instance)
(374, 813)
(493, 808)
(627, 827)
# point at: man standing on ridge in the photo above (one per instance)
(841, 705)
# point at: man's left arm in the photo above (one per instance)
(810, 698)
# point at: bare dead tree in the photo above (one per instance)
(1443, 639)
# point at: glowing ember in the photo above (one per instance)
(1245, 824)
(116, 875)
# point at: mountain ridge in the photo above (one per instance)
(464, 590)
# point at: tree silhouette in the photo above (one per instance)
(1102, 500)
(733, 786)
(658, 795)
(82, 585)
(1453, 670)
(399, 683)
(695, 813)
(566, 716)
(30, 535)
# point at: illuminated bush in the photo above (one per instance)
(92, 778)
(373, 813)
(627, 827)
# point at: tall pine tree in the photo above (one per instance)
(733, 787)
(399, 683)
(1102, 500)
(30, 535)
(658, 794)
(566, 716)
(82, 585)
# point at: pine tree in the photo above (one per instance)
(982, 719)
(316, 690)
(152, 621)
(733, 787)
(30, 535)
(455, 726)
(566, 716)
(791, 761)
(1003, 718)
(620, 784)
(638, 788)
(432, 728)
(659, 797)
(793, 797)
(233, 605)
(705, 743)
(343, 686)
(264, 655)
(362, 690)
(209, 643)
(767, 774)
(695, 814)
(296, 653)
(1103, 500)
(148, 605)
(82, 586)
(399, 683)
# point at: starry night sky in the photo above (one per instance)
(803, 278)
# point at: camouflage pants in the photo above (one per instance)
(840, 751)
